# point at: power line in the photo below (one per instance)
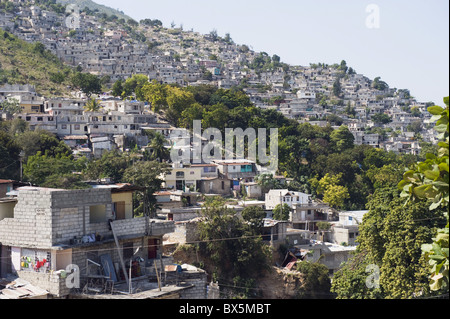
(218, 239)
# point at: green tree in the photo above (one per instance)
(342, 139)
(147, 176)
(254, 216)
(429, 180)
(267, 182)
(92, 105)
(381, 118)
(9, 156)
(390, 238)
(230, 246)
(156, 94)
(190, 114)
(316, 283)
(337, 88)
(350, 281)
(42, 141)
(111, 165)
(10, 106)
(134, 85)
(117, 89)
(379, 85)
(88, 83)
(329, 187)
(281, 212)
(215, 116)
(40, 169)
(160, 152)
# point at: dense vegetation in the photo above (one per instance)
(30, 63)
(313, 156)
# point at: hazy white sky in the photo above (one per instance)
(408, 49)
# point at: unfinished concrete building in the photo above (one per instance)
(50, 233)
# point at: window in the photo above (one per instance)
(97, 213)
(64, 126)
(180, 174)
(77, 127)
(209, 169)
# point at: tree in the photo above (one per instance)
(10, 106)
(390, 239)
(333, 193)
(281, 212)
(134, 85)
(190, 114)
(213, 35)
(156, 94)
(111, 165)
(429, 180)
(350, 280)
(146, 175)
(9, 156)
(379, 85)
(44, 169)
(267, 182)
(215, 116)
(88, 83)
(228, 39)
(343, 66)
(117, 88)
(92, 105)
(177, 100)
(40, 140)
(381, 118)
(342, 139)
(160, 152)
(337, 88)
(316, 283)
(254, 216)
(231, 248)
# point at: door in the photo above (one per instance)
(119, 208)
(153, 244)
(5, 260)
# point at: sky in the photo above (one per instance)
(405, 42)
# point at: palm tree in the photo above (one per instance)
(159, 150)
(92, 105)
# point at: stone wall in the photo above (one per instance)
(54, 282)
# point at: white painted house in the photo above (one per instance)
(283, 196)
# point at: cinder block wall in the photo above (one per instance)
(52, 282)
(47, 217)
(32, 222)
(199, 280)
(71, 213)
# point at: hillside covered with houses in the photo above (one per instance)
(87, 175)
(115, 49)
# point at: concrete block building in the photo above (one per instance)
(51, 229)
